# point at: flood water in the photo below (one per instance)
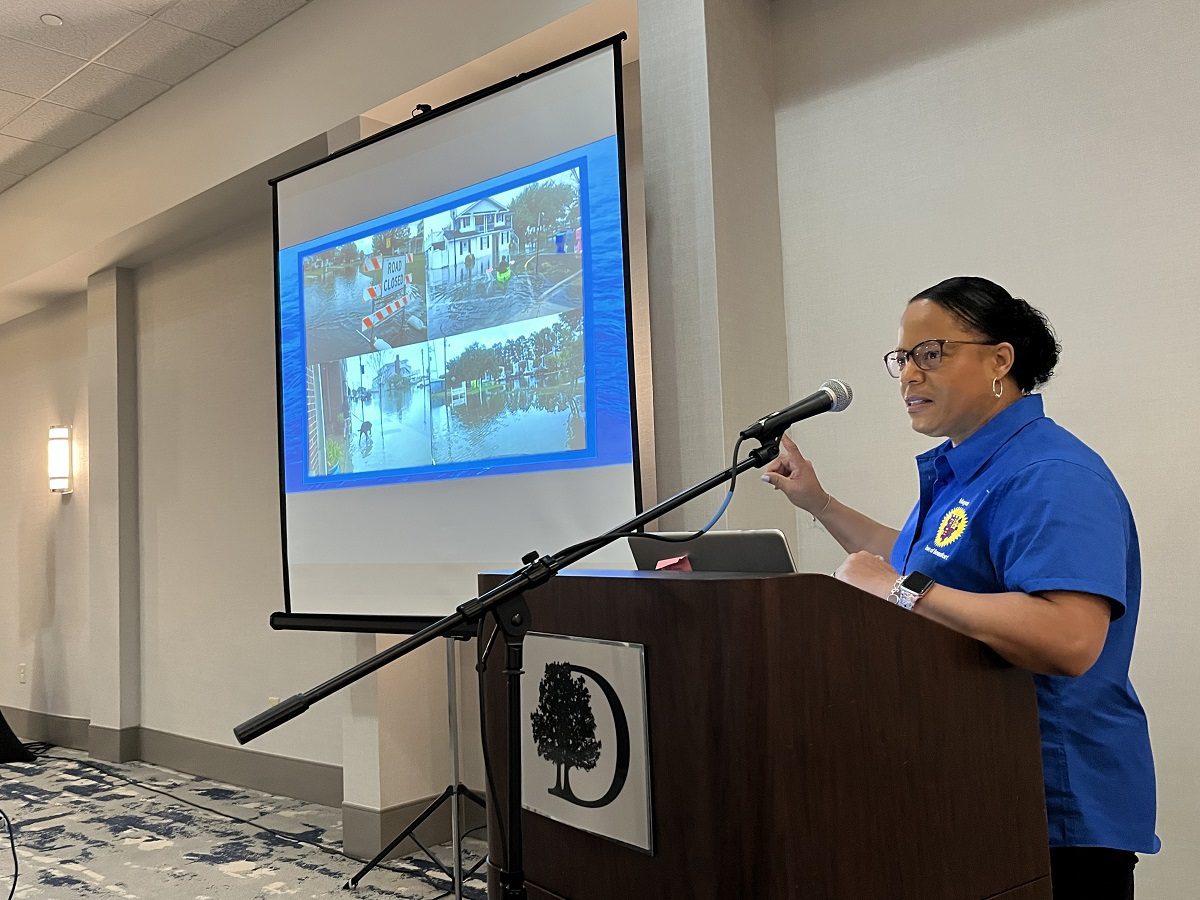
(459, 307)
(415, 426)
(334, 308)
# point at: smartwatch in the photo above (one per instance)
(910, 588)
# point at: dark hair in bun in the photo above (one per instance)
(992, 312)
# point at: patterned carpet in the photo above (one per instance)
(85, 833)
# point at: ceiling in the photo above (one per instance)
(61, 84)
(150, 219)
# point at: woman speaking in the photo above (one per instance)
(1022, 539)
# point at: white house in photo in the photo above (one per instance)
(483, 230)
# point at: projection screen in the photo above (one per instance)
(455, 384)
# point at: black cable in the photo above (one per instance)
(482, 861)
(279, 834)
(733, 472)
(487, 651)
(412, 836)
(12, 843)
(471, 871)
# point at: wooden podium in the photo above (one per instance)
(806, 741)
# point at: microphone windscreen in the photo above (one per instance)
(842, 394)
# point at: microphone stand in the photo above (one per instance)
(506, 603)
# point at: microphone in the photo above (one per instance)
(833, 396)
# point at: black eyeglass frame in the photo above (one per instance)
(902, 356)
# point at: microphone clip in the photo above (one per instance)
(767, 449)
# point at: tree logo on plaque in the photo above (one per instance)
(564, 729)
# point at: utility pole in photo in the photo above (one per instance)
(537, 247)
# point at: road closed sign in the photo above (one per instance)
(393, 275)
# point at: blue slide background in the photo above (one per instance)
(606, 340)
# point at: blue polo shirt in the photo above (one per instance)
(1024, 505)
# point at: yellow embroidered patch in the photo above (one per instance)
(954, 523)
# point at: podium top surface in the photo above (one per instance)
(670, 575)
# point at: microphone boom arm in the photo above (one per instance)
(537, 571)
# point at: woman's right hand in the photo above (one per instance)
(791, 473)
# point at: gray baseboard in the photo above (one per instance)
(299, 778)
(113, 744)
(367, 831)
(62, 731)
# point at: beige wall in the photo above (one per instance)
(209, 494)
(43, 536)
(1052, 146)
(712, 220)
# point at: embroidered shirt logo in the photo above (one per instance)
(954, 523)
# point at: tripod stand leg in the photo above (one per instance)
(448, 793)
(452, 793)
(465, 791)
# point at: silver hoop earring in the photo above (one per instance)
(997, 388)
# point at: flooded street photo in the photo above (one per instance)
(509, 391)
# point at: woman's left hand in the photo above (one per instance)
(867, 572)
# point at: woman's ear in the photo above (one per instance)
(1004, 356)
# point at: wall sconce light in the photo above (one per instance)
(59, 459)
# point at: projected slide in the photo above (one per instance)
(452, 338)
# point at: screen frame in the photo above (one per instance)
(286, 620)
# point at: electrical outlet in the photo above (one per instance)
(272, 701)
(21, 673)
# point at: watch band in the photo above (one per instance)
(905, 597)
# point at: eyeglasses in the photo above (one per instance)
(926, 355)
